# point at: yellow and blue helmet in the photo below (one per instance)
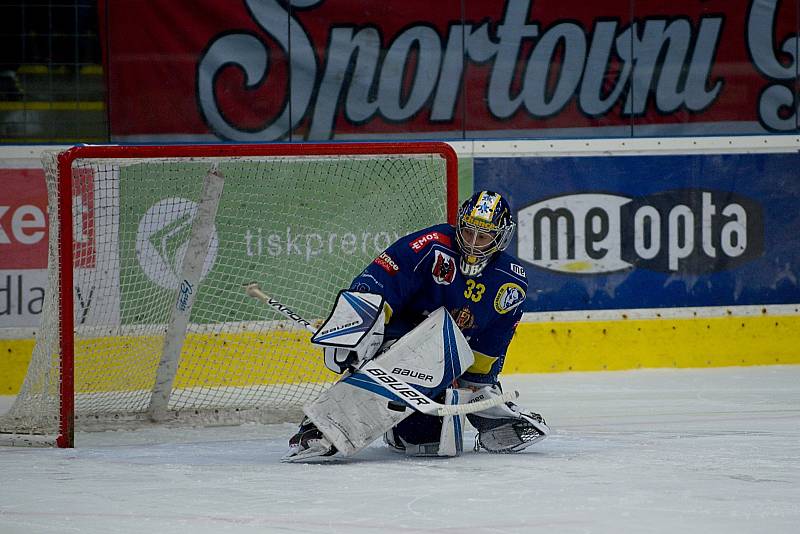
(484, 227)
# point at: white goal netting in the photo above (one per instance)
(161, 248)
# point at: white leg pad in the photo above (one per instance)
(431, 356)
(351, 417)
(451, 439)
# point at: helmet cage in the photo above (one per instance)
(501, 237)
(500, 226)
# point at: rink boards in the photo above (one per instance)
(639, 253)
(671, 252)
(702, 337)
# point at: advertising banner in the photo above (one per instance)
(267, 229)
(24, 237)
(653, 231)
(23, 219)
(264, 70)
(23, 246)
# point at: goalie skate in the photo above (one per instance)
(308, 444)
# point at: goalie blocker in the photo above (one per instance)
(353, 332)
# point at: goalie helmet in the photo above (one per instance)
(485, 227)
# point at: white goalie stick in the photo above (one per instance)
(381, 377)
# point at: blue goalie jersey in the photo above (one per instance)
(419, 273)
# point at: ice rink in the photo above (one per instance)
(678, 451)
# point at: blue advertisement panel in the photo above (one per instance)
(626, 232)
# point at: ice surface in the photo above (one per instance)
(650, 451)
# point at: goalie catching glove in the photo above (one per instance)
(353, 332)
(504, 428)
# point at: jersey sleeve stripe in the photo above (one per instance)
(513, 275)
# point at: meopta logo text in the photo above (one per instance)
(688, 230)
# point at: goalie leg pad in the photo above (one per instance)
(426, 435)
(357, 410)
(351, 418)
(451, 437)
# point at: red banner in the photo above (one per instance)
(23, 219)
(259, 70)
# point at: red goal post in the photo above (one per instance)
(371, 182)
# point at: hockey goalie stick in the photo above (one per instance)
(381, 377)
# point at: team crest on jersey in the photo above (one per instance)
(444, 268)
(509, 296)
(518, 270)
(463, 317)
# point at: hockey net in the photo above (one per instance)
(145, 319)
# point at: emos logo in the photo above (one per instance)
(422, 241)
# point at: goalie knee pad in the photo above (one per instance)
(505, 428)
